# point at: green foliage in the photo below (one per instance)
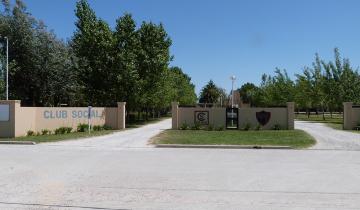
(210, 127)
(258, 127)
(39, 61)
(99, 66)
(62, 130)
(277, 127)
(98, 128)
(248, 93)
(197, 126)
(210, 94)
(184, 126)
(30, 133)
(82, 127)
(45, 132)
(247, 126)
(107, 128)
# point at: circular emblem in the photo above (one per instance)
(201, 117)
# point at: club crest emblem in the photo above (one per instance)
(263, 117)
(202, 117)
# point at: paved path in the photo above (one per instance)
(132, 138)
(329, 138)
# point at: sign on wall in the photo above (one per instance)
(74, 114)
(4, 112)
(202, 117)
(263, 117)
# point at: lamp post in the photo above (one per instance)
(7, 67)
(233, 78)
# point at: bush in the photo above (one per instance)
(106, 127)
(30, 133)
(82, 127)
(210, 127)
(247, 126)
(63, 130)
(98, 128)
(277, 127)
(196, 126)
(184, 126)
(68, 129)
(45, 132)
(258, 127)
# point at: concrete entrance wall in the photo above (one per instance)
(16, 120)
(351, 115)
(283, 116)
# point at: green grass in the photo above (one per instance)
(292, 138)
(60, 137)
(336, 119)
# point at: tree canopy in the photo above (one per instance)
(98, 66)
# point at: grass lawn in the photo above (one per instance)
(60, 137)
(336, 119)
(292, 138)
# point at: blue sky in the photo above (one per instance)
(213, 39)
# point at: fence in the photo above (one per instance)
(16, 120)
(266, 118)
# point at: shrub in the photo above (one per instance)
(210, 127)
(106, 127)
(30, 133)
(277, 127)
(45, 132)
(247, 126)
(196, 126)
(63, 130)
(68, 129)
(258, 127)
(98, 128)
(184, 126)
(82, 127)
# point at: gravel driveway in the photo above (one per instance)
(131, 138)
(329, 138)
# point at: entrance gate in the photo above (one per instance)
(232, 118)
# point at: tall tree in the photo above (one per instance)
(210, 93)
(153, 61)
(183, 89)
(93, 45)
(126, 78)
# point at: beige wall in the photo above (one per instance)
(23, 119)
(187, 115)
(351, 116)
(283, 116)
(278, 116)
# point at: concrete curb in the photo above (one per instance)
(18, 142)
(221, 146)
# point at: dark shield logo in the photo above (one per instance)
(263, 117)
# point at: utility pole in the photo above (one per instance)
(7, 68)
